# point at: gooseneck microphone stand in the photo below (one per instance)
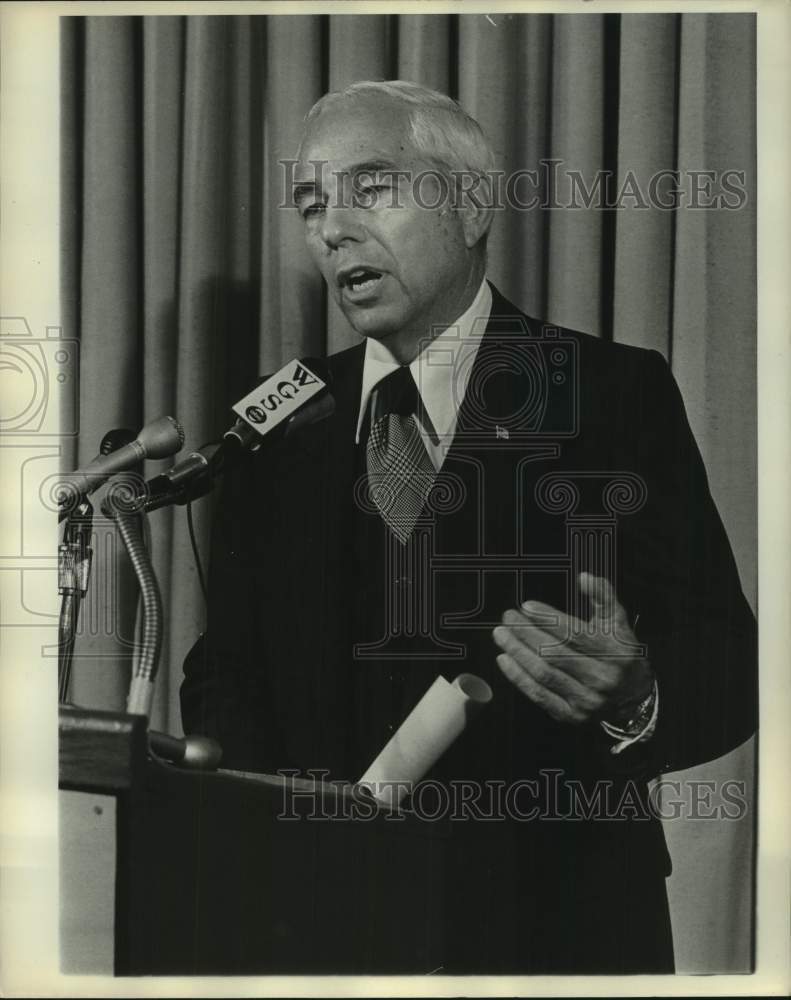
(141, 690)
(126, 508)
(74, 570)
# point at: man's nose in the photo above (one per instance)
(341, 224)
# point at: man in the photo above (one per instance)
(490, 495)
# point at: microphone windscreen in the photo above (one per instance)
(161, 438)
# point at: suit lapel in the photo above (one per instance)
(504, 442)
(508, 395)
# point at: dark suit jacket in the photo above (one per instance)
(570, 453)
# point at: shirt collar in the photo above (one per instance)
(441, 371)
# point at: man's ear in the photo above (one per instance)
(474, 205)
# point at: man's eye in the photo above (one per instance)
(309, 211)
(367, 194)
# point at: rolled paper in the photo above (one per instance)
(434, 723)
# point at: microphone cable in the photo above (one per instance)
(214, 469)
(196, 556)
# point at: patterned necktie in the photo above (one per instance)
(400, 472)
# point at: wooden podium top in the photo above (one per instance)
(107, 752)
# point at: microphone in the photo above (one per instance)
(200, 753)
(244, 435)
(187, 480)
(158, 439)
(293, 397)
(184, 471)
(112, 441)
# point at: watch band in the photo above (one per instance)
(640, 727)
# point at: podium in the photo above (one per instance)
(238, 874)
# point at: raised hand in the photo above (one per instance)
(576, 670)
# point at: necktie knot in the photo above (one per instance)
(396, 393)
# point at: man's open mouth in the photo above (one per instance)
(360, 279)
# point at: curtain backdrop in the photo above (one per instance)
(183, 277)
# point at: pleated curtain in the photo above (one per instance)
(184, 276)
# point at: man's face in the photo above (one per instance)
(396, 268)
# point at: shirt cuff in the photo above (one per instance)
(648, 710)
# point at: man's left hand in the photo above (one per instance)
(577, 671)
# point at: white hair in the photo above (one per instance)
(440, 129)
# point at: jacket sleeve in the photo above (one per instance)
(683, 583)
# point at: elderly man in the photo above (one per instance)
(493, 495)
